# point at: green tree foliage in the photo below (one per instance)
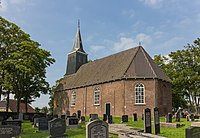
(183, 68)
(22, 64)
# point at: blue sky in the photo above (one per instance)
(107, 27)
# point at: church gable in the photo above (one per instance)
(143, 66)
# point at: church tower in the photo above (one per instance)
(77, 56)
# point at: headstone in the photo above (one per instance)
(168, 118)
(187, 118)
(72, 122)
(193, 132)
(125, 118)
(26, 117)
(43, 124)
(36, 122)
(191, 117)
(57, 127)
(67, 113)
(156, 121)
(147, 120)
(97, 129)
(93, 117)
(74, 114)
(79, 114)
(82, 120)
(63, 117)
(134, 117)
(110, 120)
(17, 123)
(177, 117)
(104, 117)
(8, 131)
(20, 116)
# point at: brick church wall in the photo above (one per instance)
(114, 93)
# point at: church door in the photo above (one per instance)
(107, 108)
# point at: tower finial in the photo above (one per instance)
(78, 23)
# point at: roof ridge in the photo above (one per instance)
(132, 59)
(144, 52)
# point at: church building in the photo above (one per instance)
(120, 84)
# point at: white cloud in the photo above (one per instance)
(3, 5)
(96, 48)
(153, 3)
(17, 1)
(127, 42)
(173, 42)
(130, 13)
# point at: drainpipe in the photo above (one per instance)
(155, 93)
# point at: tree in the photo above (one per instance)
(22, 64)
(44, 110)
(183, 68)
(37, 109)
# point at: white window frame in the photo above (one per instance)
(139, 93)
(97, 96)
(73, 98)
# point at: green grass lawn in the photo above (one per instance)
(29, 132)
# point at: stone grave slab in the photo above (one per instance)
(147, 120)
(193, 132)
(72, 122)
(8, 131)
(156, 121)
(134, 117)
(57, 127)
(97, 129)
(43, 124)
(125, 118)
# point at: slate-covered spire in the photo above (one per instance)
(78, 46)
(77, 57)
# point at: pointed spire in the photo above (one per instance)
(78, 46)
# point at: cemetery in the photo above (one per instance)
(151, 125)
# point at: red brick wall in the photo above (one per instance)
(121, 96)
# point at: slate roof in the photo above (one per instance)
(13, 106)
(131, 63)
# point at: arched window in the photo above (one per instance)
(139, 93)
(97, 96)
(73, 98)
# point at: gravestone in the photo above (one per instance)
(67, 113)
(93, 117)
(17, 123)
(63, 117)
(124, 118)
(20, 117)
(192, 117)
(57, 127)
(104, 117)
(8, 131)
(142, 116)
(147, 121)
(134, 117)
(177, 116)
(97, 129)
(156, 121)
(79, 114)
(72, 122)
(82, 120)
(187, 118)
(26, 117)
(168, 118)
(36, 122)
(110, 120)
(74, 114)
(42, 124)
(193, 132)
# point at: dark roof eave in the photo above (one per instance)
(123, 78)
